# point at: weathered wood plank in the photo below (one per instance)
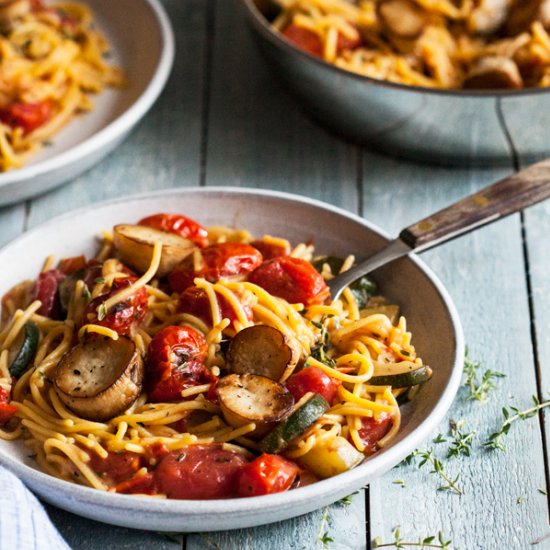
(12, 222)
(484, 274)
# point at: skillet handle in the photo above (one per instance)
(501, 199)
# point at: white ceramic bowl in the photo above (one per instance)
(142, 44)
(431, 315)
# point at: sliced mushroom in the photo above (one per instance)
(135, 245)
(10, 11)
(263, 350)
(524, 13)
(489, 16)
(493, 73)
(402, 18)
(246, 398)
(100, 378)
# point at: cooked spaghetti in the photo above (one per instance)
(475, 44)
(225, 372)
(52, 59)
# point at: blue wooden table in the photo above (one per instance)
(224, 121)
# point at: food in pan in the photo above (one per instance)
(52, 60)
(193, 363)
(470, 44)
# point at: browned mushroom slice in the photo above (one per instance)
(135, 245)
(401, 18)
(524, 13)
(263, 350)
(489, 16)
(100, 378)
(493, 73)
(246, 398)
(10, 11)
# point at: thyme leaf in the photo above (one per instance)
(432, 541)
(479, 389)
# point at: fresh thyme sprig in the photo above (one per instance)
(346, 501)
(433, 541)
(323, 536)
(461, 443)
(479, 389)
(428, 457)
(510, 416)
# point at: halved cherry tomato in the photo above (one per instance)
(200, 472)
(271, 250)
(305, 39)
(312, 379)
(181, 225)
(71, 265)
(121, 316)
(142, 484)
(266, 475)
(373, 430)
(175, 361)
(45, 290)
(115, 467)
(28, 116)
(217, 260)
(293, 279)
(6, 410)
(195, 301)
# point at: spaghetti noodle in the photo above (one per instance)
(335, 392)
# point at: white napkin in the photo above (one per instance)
(24, 524)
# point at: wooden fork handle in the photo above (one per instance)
(501, 199)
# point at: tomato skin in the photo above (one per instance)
(266, 475)
(271, 250)
(175, 361)
(218, 260)
(142, 485)
(181, 225)
(305, 39)
(28, 116)
(293, 279)
(45, 290)
(200, 472)
(312, 379)
(72, 265)
(195, 301)
(373, 430)
(115, 467)
(123, 315)
(6, 410)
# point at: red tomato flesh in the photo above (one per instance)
(142, 485)
(312, 379)
(218, 260)
(266, 475)
(175, 361)
(122, 316)
(200, 472)
(115, 467)
(305, 39)
(181, 225)
(271, 250)
(6, 410)
(28, 116)
(373, 430)
(45, 290)
(293, 279)
(71, 265)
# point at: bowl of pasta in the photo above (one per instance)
(178, 363)
(77, 76)
(441, 82)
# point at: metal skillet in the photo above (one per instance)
(507, 196)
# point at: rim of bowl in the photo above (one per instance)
(260, 22)
(122, 123)
(376, 465)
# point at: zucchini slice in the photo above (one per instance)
(295, 425)
(26, 351)
(401, 377)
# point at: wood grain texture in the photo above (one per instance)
(12, 222)
(485, 275)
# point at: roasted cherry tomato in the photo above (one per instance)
(305, 39)
(28, 116)
(195, 301)
(266, 475)
(181, 225)
(138, 485)
(312, 379)
(115, 467)
(271, 250)
(373, 430)
(175, 361)
(217, 260)
(46, 290)
(6, 410)
(121, 316)
(200, 472)
(293, 279)
(72, 265)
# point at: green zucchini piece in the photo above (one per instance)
(27, 350)
(294, 426)
(412, 376)
(363, 288)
